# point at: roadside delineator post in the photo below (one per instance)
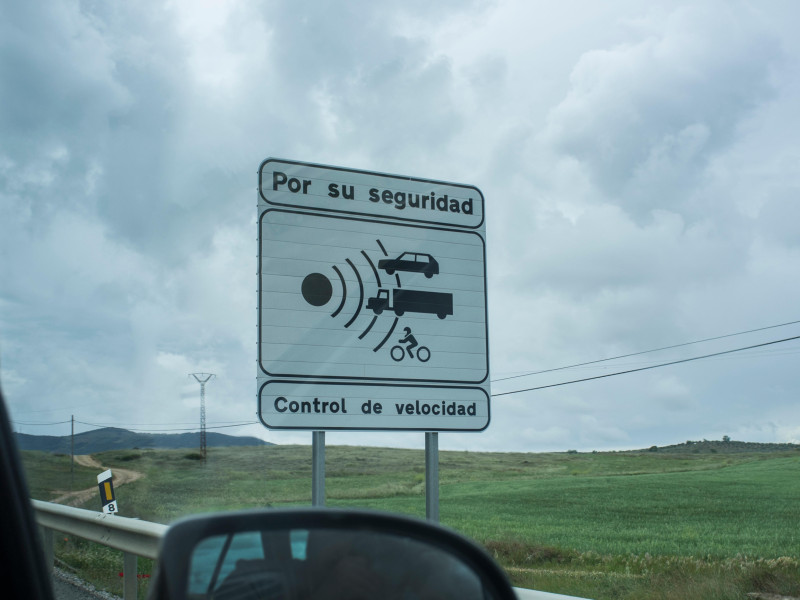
(107, 498)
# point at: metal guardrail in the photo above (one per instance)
(140, 538)
(129, 535)
(133, 537)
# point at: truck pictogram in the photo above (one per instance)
(416, 301)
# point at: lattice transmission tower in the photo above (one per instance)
(202, 379)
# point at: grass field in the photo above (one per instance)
(597, 525)
(49, 474)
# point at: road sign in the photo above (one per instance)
(372, 293)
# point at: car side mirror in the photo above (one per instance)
(297, 554)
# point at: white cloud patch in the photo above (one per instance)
(645, 118)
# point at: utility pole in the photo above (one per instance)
(202, 379)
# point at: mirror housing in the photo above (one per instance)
(294, 554)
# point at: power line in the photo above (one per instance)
(591, 362)
(53, 409)
(498, 379)
(674, 362)
(172, 430)
(193, 428)
(128, 425)
(756, 354)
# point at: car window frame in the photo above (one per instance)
(24, 569)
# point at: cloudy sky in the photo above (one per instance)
(640, 164)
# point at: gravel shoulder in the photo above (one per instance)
(67, 586)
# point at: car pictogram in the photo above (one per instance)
(413, 262)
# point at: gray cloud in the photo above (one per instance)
(638, 164)
(645, 118)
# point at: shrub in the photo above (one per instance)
(512, 552)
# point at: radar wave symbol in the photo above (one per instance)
(317, 290)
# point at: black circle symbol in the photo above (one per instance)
(397, 353)
(317, 289)
(423, 351)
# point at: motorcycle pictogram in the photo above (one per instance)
(398, 353)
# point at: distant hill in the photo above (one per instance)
(113, 438)
(721, 446)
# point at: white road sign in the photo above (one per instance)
(372, 292)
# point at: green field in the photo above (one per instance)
(598, 525)
(48, 473)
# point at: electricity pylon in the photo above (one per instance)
(202, 378)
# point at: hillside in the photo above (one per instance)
(720, 446)
(113, 438)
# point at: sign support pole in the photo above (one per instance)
(72, 455)
(317, 468)
(432, 476)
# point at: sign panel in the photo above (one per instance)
(361, 302)
(326, 405)
(283, 183)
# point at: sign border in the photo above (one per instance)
(376, 379)
(305, 428)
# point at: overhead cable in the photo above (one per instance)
(54, 409)
(171, 430)
(674, 362)
(592, 362)
(163, 424)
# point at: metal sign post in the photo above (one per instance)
(72, 455)
(432, 476)
(318, 468)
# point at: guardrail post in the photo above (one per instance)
(48, 541)
(129, 583)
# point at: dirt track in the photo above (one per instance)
(120, 477)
